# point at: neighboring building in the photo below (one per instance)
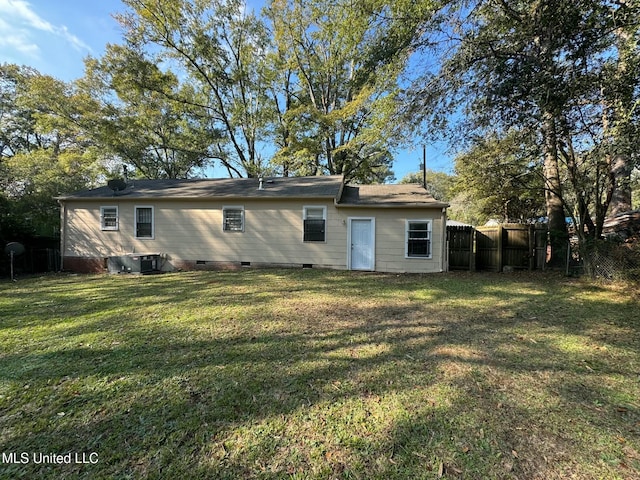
(297, 221)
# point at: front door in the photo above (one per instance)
(362, 243)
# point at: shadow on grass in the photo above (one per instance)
(286, 374)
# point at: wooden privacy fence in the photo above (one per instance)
(460, 242)
(508, 246)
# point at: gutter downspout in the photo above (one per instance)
(445, 247)
(63, 232)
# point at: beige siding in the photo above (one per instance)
(273, 233)
(186, 230)
(390, 238)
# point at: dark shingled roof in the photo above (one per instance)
(329, 187)
(404, 195)
(292, 187)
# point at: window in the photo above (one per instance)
(314, 219)
(233, 219)
(418, 238)
(144, 222)
(109, 218)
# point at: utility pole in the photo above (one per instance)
(424, 166)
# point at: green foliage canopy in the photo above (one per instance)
(554, 71)
(44, 150)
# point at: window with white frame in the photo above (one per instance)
(144, 222)
(315, 223)
(418, 238)
(233, 219)
(109, 218)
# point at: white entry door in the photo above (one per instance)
(362, 243)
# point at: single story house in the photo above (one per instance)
(219, 223)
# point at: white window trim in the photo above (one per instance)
(102, 225)
(233, 207)
(153, 222)
(324, 217)
(429, 222)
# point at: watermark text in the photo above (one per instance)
(41, 458)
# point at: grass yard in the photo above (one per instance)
(319, 374)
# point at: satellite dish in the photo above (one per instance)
(117, 185)
(13, 249)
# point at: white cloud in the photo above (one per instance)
(17, 39)
(21, 20)
(72, 39)
(21, 10)
(18, 43)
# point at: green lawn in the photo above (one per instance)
(319, 374)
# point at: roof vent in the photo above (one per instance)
(261, 183)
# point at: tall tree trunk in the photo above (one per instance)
(621, 173)
(623, 99)
(553, 194)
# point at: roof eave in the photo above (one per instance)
(393, 205)
(197, 198)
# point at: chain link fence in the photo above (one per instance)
(611, 260)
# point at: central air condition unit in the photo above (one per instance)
(134, 263)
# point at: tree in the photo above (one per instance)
(17, 126)
(502, 178)
(218, 50)
(46, 153)
(137, 120)
(438, 184)
(38, 176)
(338, 66)
(316, 79)
(621, 126)
(635, 188)
(535, 66)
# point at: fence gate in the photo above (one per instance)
(517, 246)
(540, 246)
(461, 241)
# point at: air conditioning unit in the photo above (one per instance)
(134, 263)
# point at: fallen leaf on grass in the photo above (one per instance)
(514, 453)
(631, 453)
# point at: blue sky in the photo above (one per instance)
(54, 37)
